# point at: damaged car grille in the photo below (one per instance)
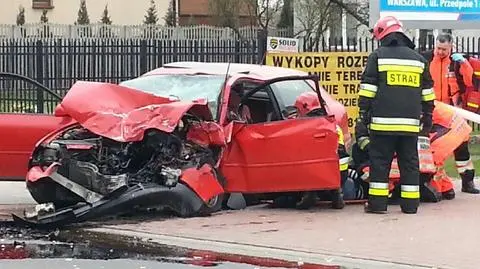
(103, 165)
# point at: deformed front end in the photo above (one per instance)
(79, 174)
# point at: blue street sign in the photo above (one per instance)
(442, 10)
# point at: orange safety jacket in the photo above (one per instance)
(446, 84)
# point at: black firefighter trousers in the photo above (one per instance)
(381, 150)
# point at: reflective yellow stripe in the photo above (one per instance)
(394, 128)
(344, 163)
(370, 87)
(341, 138)
(366, 93)
(476, 73)
(427, 91)
(368, 90)
(410, 191)
(378, 185)
(410, 195)
(429, 97)
(363, 142)
(378, 189)
(401, 68)
(410, 188)
(472, 105)
(395, 124)
(394, 61)
(392, 64)
(403, 121)
(377, 192)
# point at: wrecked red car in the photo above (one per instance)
(186, 137)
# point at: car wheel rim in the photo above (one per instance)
(212, 202)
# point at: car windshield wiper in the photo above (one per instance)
(173, 97)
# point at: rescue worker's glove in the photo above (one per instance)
(426, 124)
(457, 57)
(361, 130)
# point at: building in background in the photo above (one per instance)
(199, 12)
(122, 12)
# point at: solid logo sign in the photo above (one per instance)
(273, 43)
(282, 44)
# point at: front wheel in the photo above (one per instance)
(215, 203)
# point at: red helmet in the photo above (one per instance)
(306, 102)
(385, 26)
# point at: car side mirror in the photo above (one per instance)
(59, 111)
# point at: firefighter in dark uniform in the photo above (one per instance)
(395, 107)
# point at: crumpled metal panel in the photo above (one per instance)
(123, 114)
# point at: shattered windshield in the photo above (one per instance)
(182, 87)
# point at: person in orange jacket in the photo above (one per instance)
(452, 74)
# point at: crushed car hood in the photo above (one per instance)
(123, 114)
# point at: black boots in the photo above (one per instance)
(368, 209)
(468, 185)
(337, 199)
(429, 194)
(448, 195)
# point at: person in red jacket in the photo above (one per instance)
(452, 74)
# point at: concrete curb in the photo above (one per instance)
(258, 250)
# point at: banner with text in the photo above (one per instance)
(339, 73)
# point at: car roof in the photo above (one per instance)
(263, 72)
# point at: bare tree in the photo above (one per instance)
(315, 20)
(225, 12)
(262, 13)
(359, 9)
(286, 15)
(265, 12)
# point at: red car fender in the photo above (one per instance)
(202, 181)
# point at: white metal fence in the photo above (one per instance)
(204, 32)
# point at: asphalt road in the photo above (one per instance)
(14, 193)
(14, 197)
(442, 235)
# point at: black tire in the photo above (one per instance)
(306, 200)
(47, 191)
(285, 201)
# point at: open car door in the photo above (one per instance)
(26, 108)
(285, 155)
